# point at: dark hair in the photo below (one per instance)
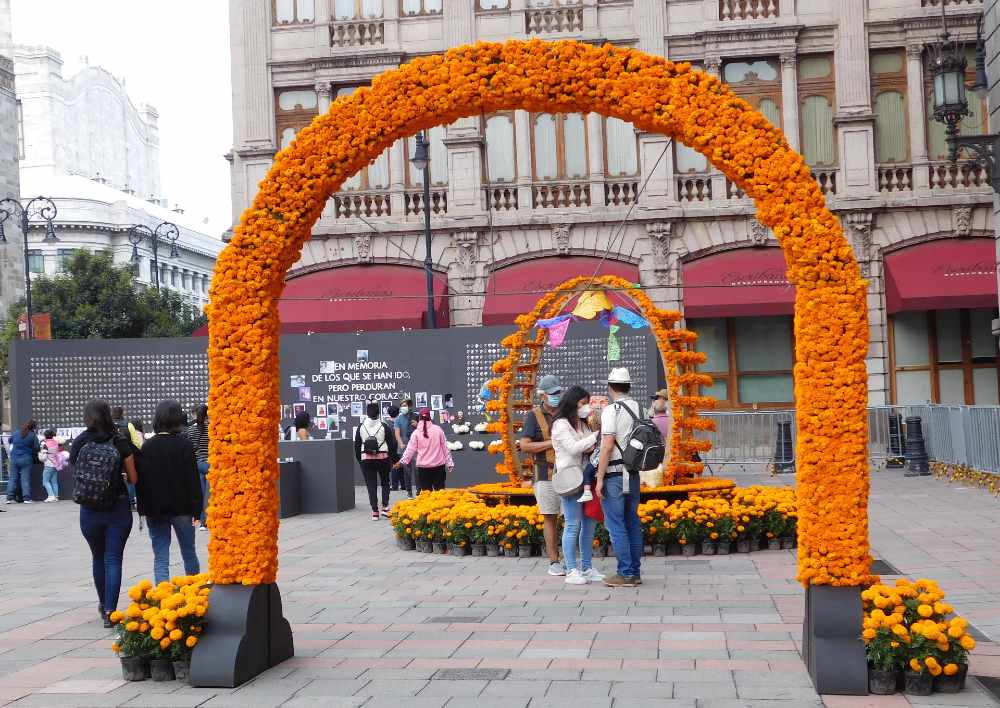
(302, 421)
(201, 415)
(406, 401)
(393, 411)
(49, 434)
(117, 413)
(169, 417)
(568, 404)
(620, 387)
(372, 411)
(30, 426)
(97, 415)
(137, 424)
(425, 417)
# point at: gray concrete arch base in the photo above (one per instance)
(831, 641)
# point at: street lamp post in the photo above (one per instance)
(166, 232)
(39, 207)
(421, 161)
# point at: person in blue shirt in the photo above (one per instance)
(404, 424)
(24, 447)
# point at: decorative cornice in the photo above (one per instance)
(724, 37)
(248, 151)
(342, 61)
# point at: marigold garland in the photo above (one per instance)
(656, 95)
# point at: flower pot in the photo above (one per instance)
(423, 546)
(478, 550)
(440, 547)
(953, 683)
(722, 548)
(882, 683)
(524, 551)
(918, 683)
(689, 549)
(756, 544)
(458, 550)
(405, 543)
(773, 544)
(133, 668)
(182, 668)
(161, 669)
(708, 548)
(743, 545)
(510, 552)
(659, 550)
(673, 549)
(492, 550)
(787, 543)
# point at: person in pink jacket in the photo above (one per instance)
(430, 448)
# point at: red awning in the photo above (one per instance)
(738, 283)
(942, 275)
(352, 298)
(515, 290)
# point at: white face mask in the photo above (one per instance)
(583, 412)
(404, 410)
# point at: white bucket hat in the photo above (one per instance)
(619, 375)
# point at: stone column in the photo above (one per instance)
(459, 22)
(854, 120)
(397, 180)
(595, 155)
(650, 26)
(466, 279)
(591, 26)
(659, 266)
(917, 115)
(465, 169)
(522, 147)
(790, 98)
(321, 26)
(324, 94)
(858, 229)
(656, 162)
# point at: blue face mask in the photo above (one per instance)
(553, 399)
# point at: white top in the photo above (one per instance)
(618, 423)
(570, 445)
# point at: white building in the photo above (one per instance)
(523, 200)
(11, 262)
(84, 144)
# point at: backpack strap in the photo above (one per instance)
(543, 425)
(619, 405)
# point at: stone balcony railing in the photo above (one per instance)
(937, 3)
(949, 176)
(693, 187)
(827, 178)
(895, 178)
(413, 202)
(555, 196)
(501, 197)
(357, 33)
(621, 192)
(350, 205)
(747, 9)
(565, 17)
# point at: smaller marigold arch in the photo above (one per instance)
(516, 373)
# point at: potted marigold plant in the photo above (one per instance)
(886, 653)
(493, 535)
(774, 528)
(722, 534)
(688, 535)
(478, 537)
(132, 644)
(954, 656)
(601, 540)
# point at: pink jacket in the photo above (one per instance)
(431, 451)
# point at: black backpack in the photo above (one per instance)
(371, 444)
(95, 474)
(644, 448)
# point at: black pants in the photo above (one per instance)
(401, 478)
(431, 478)
(376, 473)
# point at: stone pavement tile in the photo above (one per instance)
(448, 688)
(84, 686)
(743, 703)
(688, 676)
(895, 701)
(550, 653)
(585, 689)
(416, 702)
(323, 702)
(77, 700)
(771, 678)
(733, 664)
(392, 687)
(585, 663)
(483, 702)
(704, 690)
(628, 674)
(322, 672)
(169, 700)
(973, 695)
(515, 689)
(405, 674)
(634, 689)
(571, 702)
(444, 663)
(774, 693)
(544, 674)
(655, 703)
(334, 687)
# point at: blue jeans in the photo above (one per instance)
(621, 516)
(203, 474)
(106, 533)
(50, 480)
(159, 534)
(20, 470)
(578, 530)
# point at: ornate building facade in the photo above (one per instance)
(11, 263)
(521, 201)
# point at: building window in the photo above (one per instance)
(758, 82)
(420, 7)
(294, 109)
(500, 151)
(173, 277)
(36, 262)
(892, 128)
(621, 144)
(357, 9)
(438, 162)
(492, 4)
(20, 131)
(559, 146)
(750, 359)
(65, 255)
(816, 101)
(974, 124)
(293, 12)
(944, 356)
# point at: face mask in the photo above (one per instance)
(583, 412)
(553, 399)
(404, 410)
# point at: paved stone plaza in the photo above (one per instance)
(376, 626)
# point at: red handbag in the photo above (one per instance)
(592, 509)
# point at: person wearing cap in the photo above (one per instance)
(660, 413)
(536, 439)
(617, 488)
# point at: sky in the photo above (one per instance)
(173, 55)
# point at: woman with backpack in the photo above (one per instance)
(169, 489)
(24, 448)
(375, 449)
(429, 446)
(102, 461)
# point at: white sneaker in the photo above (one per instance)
(586, 496)
(557, 569)
(50, 499)
(575, 577)
(593, 575)
(28, 501)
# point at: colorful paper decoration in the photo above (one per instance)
(557, 332)
(590, 303)
(614, 348)
(627, 317)
(553, 321)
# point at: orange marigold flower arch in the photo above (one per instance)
(656, 95)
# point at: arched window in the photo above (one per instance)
(892, 130)
(559, 146)
(622, 146)
(500, 152)
(294, 109)
(816, 101)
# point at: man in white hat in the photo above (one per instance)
(617, 488)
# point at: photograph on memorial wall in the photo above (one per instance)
(298, 381)
(320, 410)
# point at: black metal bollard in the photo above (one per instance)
(895, 457)
(784, 452)
(917, 461)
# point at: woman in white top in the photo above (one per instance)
(572, 440)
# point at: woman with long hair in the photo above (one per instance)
(197, 433)
(572, 439)
(169, 489)
(103, 459)
(24, 449)
(429, 447)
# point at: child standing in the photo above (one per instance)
(54, 458)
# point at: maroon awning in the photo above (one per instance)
(738, 283)
(516, 289)
(942, 275)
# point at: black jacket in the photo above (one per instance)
(168, 477)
